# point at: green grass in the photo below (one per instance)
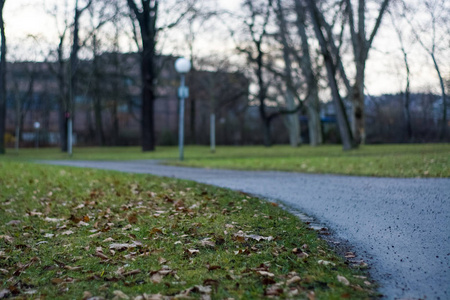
(405, 160)
(59, 226)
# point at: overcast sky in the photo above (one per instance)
(384, 73)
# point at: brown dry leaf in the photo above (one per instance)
(162, 260)
(207, 242)
(300, 253)
(350, 255)
(132, 272)
(311, 295)
(127, 227)
(23, 267)
(193, 251)
(86, 219)
(155, 231)
(273, 290)
(211, 268)
(75, 219)
(101, 255)
(343, 280)
(86, 295)
(57, 280)
(132, 219)
(156, 277)
(293, 280)
(274, 204)
(7, 238)
(120, 295)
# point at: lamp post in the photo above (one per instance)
(36, 125)
(182, 66)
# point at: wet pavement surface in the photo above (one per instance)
(399, 226)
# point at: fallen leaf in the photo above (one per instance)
(273, 290)
(258, 237)
(156, 277)
(7, 238)
(101, 255)
(207, 242)
(132, 272)
(68, 232)
(5, 293)
(132, 219)
(325, 263)
(293, 280)
(162, 260)
(14, 222)
(120, 295)
(155, 231)
(265, 273)
(127, 227)
(343, 280)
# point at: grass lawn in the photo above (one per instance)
(72, 233)
(405, 160)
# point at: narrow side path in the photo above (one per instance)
(401, 227)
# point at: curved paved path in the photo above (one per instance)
(401, 227)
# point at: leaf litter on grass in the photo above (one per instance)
(74, 233)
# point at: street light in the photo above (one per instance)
(36, 126)
(182, 65)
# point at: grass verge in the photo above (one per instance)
(405, 160)
(72, 233)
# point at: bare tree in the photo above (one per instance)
(333, 62)
(438, 17)
(407, 92)
(312, 101)
(257, 29)
(361, 45)
(146, 15)
(292, 120)
(2, 80)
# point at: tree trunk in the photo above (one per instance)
(292, 120)
(343, 124)
(443, 131)
(97, 99)
(407, 100)
(2, 81)
(147, 23)
(358, 123)
(312, 102)
(148, 99)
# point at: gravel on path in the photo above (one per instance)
(399, 226)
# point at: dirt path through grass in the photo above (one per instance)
(399, 226)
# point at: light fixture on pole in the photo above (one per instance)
(182, 66)
(36, 126)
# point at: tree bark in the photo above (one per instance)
(312, 102)
(97, 97)
(292, 120)
(147, 23)
(443, 131)
(2, 81)
(344, 127)
(361, 46)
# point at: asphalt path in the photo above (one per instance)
(399, 226)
